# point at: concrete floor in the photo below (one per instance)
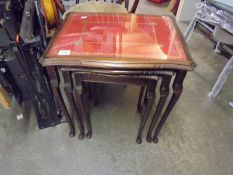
(196, 139)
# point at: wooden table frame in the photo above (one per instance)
(73, 88)
(73, 82)
(78, 77)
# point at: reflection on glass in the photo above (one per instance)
(121, 36)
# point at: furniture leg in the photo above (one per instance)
(150, 97)
(78, 91)
(164, 92)
(222, 78)
(144, 102)
(95, 94)
(87, 86)
(177, 90)
(92, 92)
(58, 98)
(217, 49)
(68, 90)
(139, 106)
(190, 29)
(145, 99)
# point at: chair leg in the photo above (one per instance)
(222, 78)
(177, 90)
(69, 94)
(164, 92)
(190, 29)
(217, 49)
(58, 98)
(79, 96)
(150, 97)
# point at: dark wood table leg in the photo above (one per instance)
(177, 91)
(54, 83)
(79, 96)
(150, 98)
(164, 92)
(139, 106)
(87, 87)
(69, 93)
(91, 89)
(95, 94)
(145, 99)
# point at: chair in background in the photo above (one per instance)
(226, 38)
(111, 6)
(219, 15)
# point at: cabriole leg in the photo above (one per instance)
(150, 97)
(95, 94)
(164, 92)
(69, 93)
(139, 106)
(78, 91)
(177, 90)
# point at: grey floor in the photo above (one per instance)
(197, 138)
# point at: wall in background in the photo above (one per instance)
(186, 10)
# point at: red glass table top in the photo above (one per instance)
(117, 39)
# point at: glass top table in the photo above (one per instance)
(118, 49)
(113, 40)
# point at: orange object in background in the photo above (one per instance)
(158, 1)
(51, 15)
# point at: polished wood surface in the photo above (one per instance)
(118, 40)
